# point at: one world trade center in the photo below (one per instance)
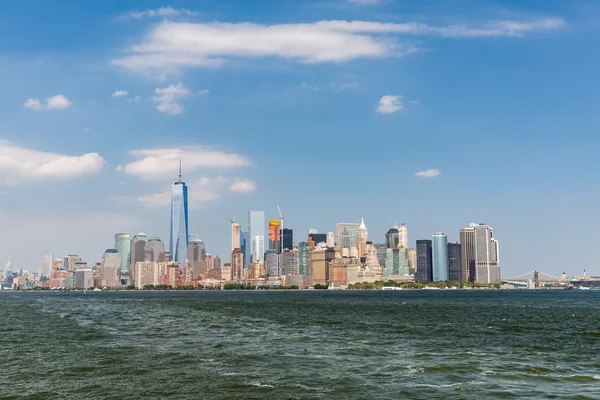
(179, 221)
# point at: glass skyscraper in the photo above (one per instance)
(454, 262)
(123, 246)
(179, 221)
(256, 229)
(440, 257)
(347, 235)
(424, 262)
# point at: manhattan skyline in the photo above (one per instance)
(466, 118)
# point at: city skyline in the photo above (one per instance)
(96, 116)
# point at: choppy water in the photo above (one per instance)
(364, 345)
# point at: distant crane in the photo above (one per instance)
(233, 219)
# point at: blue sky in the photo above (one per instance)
(328, 108)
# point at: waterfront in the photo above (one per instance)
(319, 344)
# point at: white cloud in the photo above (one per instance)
(158, 12)
(19, 163)
(166, 98)
(120, 93)
(389, 104)
(203, 91)
(173, 45)
(162, 164)
(135, 99)
(58, 102)
(430, 173)
(200, 192)
(242, 185)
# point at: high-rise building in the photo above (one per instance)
(139, 251)
(237, 265)
(396, 263)
(179, 221)
(487, 260)
(123, 246)
(347, 235)
(440, 257)
(84, 278)
(110, 269)
(318, 237)
(363, 236)
(196, 257)
(467, 244)
(155, 250)
(372, 261)
(47, 265)
(70, 261)
(288, 262)
(271, 263)
(454, 262)
(412, 260)
(403, 236)
(392, 238)
(287, 239)
(330, 240)
(381, 249)
(424, 261)
(303, 258)
(256, 228)
(275, 235)
(245, 247)
(236, 238)
(217, 262)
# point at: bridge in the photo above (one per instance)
(537, 277)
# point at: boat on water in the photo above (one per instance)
(431, 288)
(583, 288)
(391, 288)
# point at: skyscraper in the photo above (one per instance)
(256, 228)
(318, 237)
(440, 257)
(454, 262)
(287, 239)
(237, 265)
(363, 236)
(403, 236)
(196, 257)
(47, 265)
(303, 258)
(275, 235)
(487, 260)
(347, 235)
(424, 261)
(179, 221)
(271, 263)
(245, 247)
(139, 251)
(155, 250)
(392, 238)
(467, 244)
(110, 269)
(123, 246)
(236, 236)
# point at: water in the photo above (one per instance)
(300, 345)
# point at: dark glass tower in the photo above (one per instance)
(287, 239)
(455, 262)
(424, 261)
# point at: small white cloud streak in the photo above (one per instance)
(173, 45)
(430, 173)
(57, 102)
(158, 12)
(242, 186)
(389, 104)
(120, 93)
(166, 98)
(19, 164)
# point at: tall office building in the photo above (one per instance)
(303, 258)
(123, 246)
(236, 236)
(237, 265)
(245, 247)
(288, 262)
(403, 236)
(179, 221)
(318, 237)
(155, 250)
(424, 261)
(139, 251)
(196, 257)
(487, 260)
(110, 269)
(275, 235)
(467, 244)
(363, 236)
(454, 262)
(47, 265)
(392, 238)
(287, 239)
(70, 261)
(412, 260)
(256, 229)
(347, 235)
(217, 262)
(440, 257)
(271, 263)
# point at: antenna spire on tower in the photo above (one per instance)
(179, 169)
